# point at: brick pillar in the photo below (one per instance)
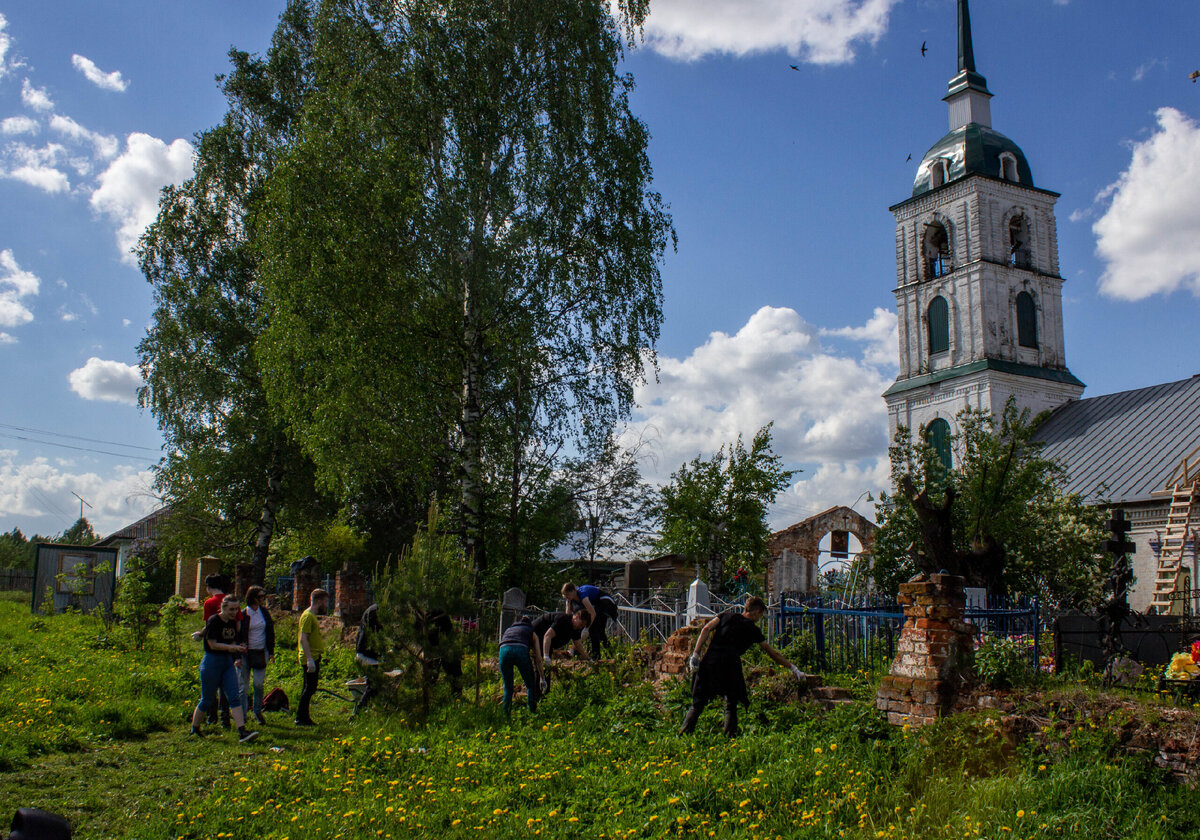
(305, 581)
(205, 566)
(350, 594)
(935, 654)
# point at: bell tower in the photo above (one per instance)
(978, 289)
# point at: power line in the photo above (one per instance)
(69, 446)
(33, 431)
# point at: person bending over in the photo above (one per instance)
(718, 673)
(521, 649)
(600, 608)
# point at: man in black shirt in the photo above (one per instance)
(559, 629)
(719, 672)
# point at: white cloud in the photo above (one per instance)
(36, 98)
(68, 316)
(128, 191)
(107, 381)
(828, 413)
(40, 493)
(1148, 235)
(107, 81)
(34, 166)
(881, 335)
(125, 322)
(1144, 70)
(816, 31)
(18, 125)
(5, 46)
(15, 283)
(106, 145)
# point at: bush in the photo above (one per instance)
(1004, 662)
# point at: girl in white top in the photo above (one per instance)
(259, 630)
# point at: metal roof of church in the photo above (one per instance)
(1125, 447)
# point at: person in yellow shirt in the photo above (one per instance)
(309, 646)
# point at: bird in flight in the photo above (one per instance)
(1194, 75)
(793, 66)
(924, 49)
(907, 159)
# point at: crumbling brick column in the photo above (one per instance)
(673, 659)
(935, 654)
(350, 594)
(305, 581)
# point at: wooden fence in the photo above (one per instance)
(19, 580)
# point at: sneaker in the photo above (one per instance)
(305, 723)
(196, 733)
(258, 716)
(245, 736)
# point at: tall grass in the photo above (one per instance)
(601, 758)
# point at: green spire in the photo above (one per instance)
(966, 53)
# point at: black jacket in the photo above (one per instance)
(244, 634)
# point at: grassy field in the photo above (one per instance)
(99, 733)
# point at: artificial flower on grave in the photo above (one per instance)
(1182, 668)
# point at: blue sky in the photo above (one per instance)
(779, 299)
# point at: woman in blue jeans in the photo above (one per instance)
(219, 670)
(520, 649)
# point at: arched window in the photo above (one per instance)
(1019, 253)
(937, 435)
(1026, 321)
(938, 172)
(1008, 167)
(936, 250)
(938, 317)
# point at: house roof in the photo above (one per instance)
(145, 528)
(1125, 447)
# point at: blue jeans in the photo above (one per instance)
(253, 680)
(217, 671)
(518, 656)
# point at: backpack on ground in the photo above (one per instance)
(275, 701)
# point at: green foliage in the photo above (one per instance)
(171, 619)
(716, 509)
(481, 288)
(1003, 662)
(614, 504)
(429, 579)
(1012, 528)
(80, 533)
(17, 552)
(231, 470)
(132, 606)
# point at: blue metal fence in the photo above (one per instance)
(844, 635)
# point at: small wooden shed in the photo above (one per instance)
(81, 576)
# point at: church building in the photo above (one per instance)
(979, 302)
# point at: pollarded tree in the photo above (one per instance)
(464, 221)
(997, 516)
(230, 465)
(715, 510)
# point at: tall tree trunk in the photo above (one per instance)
(472, 507)
(266, 520)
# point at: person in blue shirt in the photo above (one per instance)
(600, 608)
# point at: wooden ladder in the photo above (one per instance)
(1185, 505)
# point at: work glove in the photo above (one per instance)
(585, 632)
(546, 659)
(694, 662)
(544, 685)
(797, 673)
(312, 666)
